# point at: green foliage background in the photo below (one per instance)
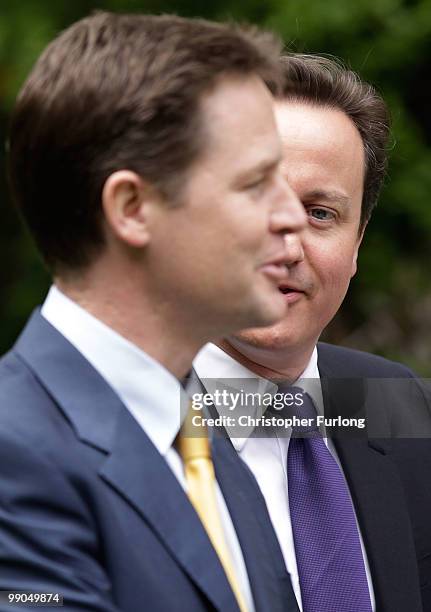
(388, 309)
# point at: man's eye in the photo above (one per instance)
(321, 214)
(256, 184)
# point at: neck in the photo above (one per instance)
(267, 363)
(131, 312)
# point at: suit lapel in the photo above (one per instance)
(133, 466)
(138, 472)
(385, 524)
(269, 581)
(380, 505)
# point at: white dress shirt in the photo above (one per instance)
(266, 455)
(147, 389)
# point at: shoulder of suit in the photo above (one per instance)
(23, 399)
(346, 362)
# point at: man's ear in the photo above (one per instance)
(356, 251)
(126, 200)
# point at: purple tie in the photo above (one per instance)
(327, 546)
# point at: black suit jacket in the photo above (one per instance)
(389, 476)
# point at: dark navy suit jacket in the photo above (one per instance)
(389, 477)
(89, 508)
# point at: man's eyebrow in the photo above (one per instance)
(323, 195)
(262, 167)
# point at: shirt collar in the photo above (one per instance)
(147, 389)
(214, 366)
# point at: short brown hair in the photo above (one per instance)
(118, 92)
(326, 82)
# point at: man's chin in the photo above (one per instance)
(271, 316)
(269, 337)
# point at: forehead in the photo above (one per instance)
(248, 90)
(322, 146)
(239, 123)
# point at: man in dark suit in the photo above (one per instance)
(334, 129)
(131, 171)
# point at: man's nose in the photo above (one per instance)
(288, 215)
(294, 248)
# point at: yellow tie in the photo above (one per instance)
(193, 446)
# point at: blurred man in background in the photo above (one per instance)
(149, 199)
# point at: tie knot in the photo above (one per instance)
(295, 404)
(192, 440)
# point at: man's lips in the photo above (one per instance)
(291, 292)
(276, 269)
(284, 288)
